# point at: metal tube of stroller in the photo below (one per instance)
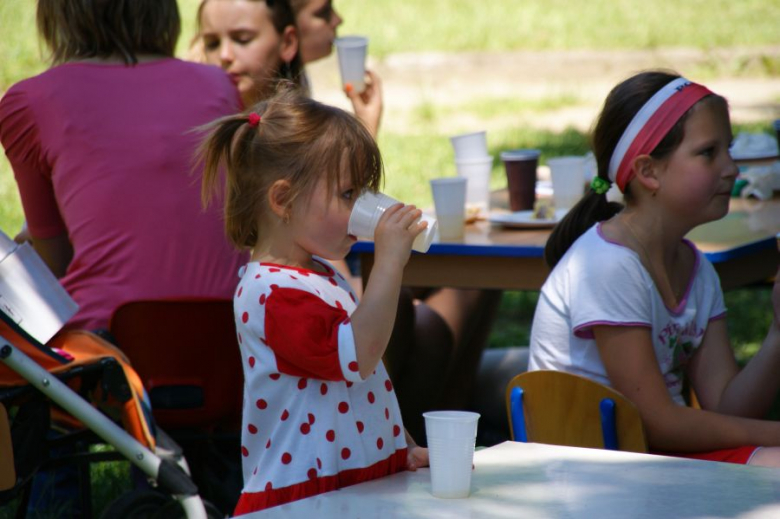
(99, 423)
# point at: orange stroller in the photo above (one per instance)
(83, 382)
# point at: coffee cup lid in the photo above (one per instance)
(523, 154)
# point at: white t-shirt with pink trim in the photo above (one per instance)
(307, 413)
(600, 282)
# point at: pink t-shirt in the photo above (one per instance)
(104, 153)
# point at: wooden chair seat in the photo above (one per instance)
(563, 409)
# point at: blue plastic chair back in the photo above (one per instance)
(608, 424)
(518, 415)
(606, 413)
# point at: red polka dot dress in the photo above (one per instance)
(310, 423)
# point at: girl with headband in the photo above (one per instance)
(632, 304)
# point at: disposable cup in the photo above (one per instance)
(451, 439)
(470, 145)
(449, 199)
(568, 180)
(477, 174)
(520, 167)
(352, 51)
(370, 206)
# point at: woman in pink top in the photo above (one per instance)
(101, 147)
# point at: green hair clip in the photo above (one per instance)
(599, 185)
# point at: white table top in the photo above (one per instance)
(530, 481)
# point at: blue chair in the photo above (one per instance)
(564, 409)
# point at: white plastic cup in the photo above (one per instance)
(451, 439)
(370, 206)
(568, 180)
(449, 199)
(352, 51)
(477, 173)
(469, 146)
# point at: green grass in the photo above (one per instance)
(468, 25)
(497, 25)
(489, 108)
(20, 55)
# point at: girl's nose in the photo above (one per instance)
(732, 170)
(226, 55)
(335, 19)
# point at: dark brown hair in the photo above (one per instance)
(78, 29)
(622, 103)
(298, 140)
(282, 16)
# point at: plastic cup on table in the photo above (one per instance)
(520, 167)
(477, 174)
(469, 146)
(449, 199)
(568, 180)
(351, 52)
(451, 439)
(367, 210)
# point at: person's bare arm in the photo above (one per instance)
(417, 456)
(373, 319)
(717, 380)
(369, 103)
(56, 252)
(630, 362)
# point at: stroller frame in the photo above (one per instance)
(169, 475)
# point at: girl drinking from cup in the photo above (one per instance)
(320, 411)
(632, 304)
(317, 22)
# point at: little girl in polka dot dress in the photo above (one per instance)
(320, 412)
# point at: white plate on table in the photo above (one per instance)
(524, 220)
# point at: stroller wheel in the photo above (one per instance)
(151, 504)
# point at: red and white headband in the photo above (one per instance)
(651, 124)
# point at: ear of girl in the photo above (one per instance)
(645, 173)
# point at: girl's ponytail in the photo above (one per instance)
(226, 154)
(217, 147)
(593, 207)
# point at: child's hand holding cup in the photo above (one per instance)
(370, 206)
